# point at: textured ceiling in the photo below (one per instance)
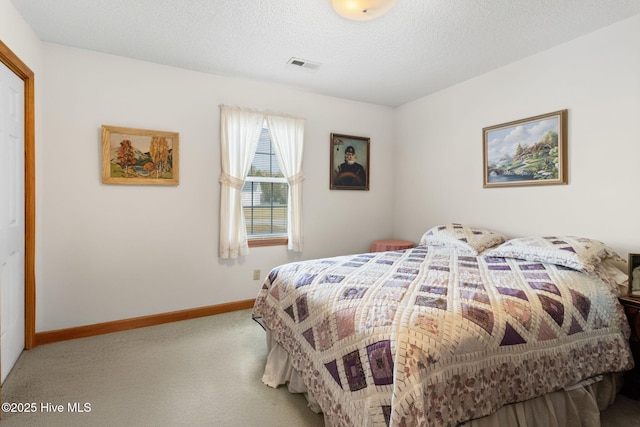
(418, 48)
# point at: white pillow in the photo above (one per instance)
(468, 240)
(578, 253)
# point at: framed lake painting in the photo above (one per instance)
(531, 151)
(139, 156)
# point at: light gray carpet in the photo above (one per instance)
(200, 372)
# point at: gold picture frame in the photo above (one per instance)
(531, 151)
(349, 169)
(139, 156)
(634, 282)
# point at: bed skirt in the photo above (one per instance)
(578, 405)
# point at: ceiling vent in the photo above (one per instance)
(303, 64)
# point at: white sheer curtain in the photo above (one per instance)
(287, 136)
(239, 135)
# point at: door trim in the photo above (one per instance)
(11, 60)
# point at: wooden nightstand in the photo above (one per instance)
(390, 245)
(631, 386)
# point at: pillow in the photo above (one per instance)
(611, 267)
(577, 253)
(469, 240)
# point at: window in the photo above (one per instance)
(264, 197)
(240, 131)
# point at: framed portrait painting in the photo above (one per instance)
(531, 151)
(139, 156)
(350, 165)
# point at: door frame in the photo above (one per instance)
(11, 60)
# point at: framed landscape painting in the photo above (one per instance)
(139, 156)
(531, 151)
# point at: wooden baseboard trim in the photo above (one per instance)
(48, 337)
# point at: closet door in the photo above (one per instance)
(12, 220)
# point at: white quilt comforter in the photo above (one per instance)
(428, 337)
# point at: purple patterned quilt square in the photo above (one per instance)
(354, 372)
(351, 293)
(381, 362)
(332, 278)
(305, 279)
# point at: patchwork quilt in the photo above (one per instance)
(430, 337)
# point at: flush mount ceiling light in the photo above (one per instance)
(362, 10)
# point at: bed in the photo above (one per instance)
(467, 327)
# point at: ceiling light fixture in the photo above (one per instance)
(362, 10)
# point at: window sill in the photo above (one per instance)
(268, 241)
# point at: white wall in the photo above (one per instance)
(117, 251)
(439, 139)
(18, 36)
(106, 252)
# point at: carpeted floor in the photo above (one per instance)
(200, 372)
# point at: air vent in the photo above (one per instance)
(303, 64)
